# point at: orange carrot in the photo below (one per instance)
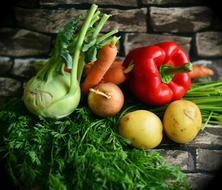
(115, 74)
(199, 71)
(88, 67)
(105, 58)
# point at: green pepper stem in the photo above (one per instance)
(187, 67)
(167, 72)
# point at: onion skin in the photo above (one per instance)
(106, 99)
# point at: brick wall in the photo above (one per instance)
(28, 33)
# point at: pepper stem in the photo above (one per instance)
(167, 72)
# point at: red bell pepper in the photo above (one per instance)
(160, 73)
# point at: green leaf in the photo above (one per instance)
(88, 45)
(81, 152)
(91, 54)
(64, 39)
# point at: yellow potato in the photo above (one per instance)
(182, 121)
(143, 128)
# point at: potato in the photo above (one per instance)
(182, 121)
(143, 128)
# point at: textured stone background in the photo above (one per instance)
(28, 32)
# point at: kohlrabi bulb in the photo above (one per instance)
(50, 99)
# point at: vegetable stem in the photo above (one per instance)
(169, 70)
(78, 46)
(105, 36)
(100, 25)
(95, 18)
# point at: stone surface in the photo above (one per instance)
(210, 137)
(209, 44)
(199, 181)
(20, 42)
(45, 20)
(9, 86)
(137, 40)
(209, 160)
(188, 19)
(49, 21)
(98, 2)
(163, 2)
(180, 158)
(132, 20)
(25, 67)
(5, 65)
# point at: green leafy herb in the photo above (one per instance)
(79, 152)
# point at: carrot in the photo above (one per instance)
(88, 67)
(105, 58)
(199, 71)
(115, 74)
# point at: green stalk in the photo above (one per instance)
(207, 121)
(78, 46)
(205, 86)
(95, 18)
(100, 25)
(206, 100)
(105, 36)
(109, 41)
(80, 68)
(209, 107)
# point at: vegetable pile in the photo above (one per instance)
(55, 93)
(77, 127)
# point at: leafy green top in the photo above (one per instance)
(79, 152)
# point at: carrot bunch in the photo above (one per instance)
(106, 68)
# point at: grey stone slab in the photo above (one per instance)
(211, 136)
(209, 44)
(51, 20)
(129, 20)
(208, 160)
(142, 39)
(25, 67)
(5, 64)
(98, 2)
(9, 86)
(171, 2)
(187, 19)
(181, 158)
(199, 181)
(20, 42)
(45, 20)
